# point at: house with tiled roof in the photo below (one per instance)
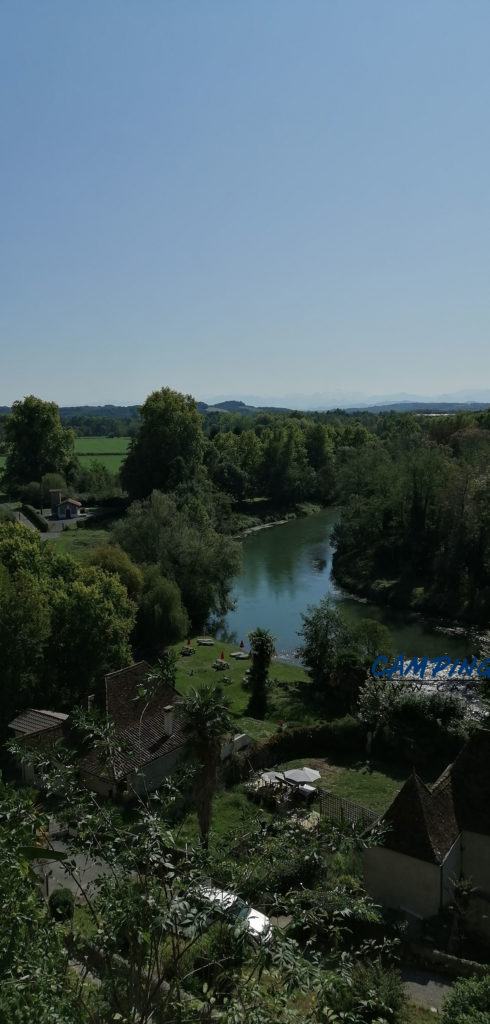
(150, 739)
(435, 835)
(149, 736)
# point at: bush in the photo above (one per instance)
(468, 1002)
(31, 493)
(33, 516)
(61, 904)
(342, 735)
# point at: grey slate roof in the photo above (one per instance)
(140, 728)
(33, 721)
(425, 822)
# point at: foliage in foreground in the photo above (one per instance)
(156, 952)
(468, 1002)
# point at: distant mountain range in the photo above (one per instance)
(470, 400)
(323, 401)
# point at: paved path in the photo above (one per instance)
(425, 987)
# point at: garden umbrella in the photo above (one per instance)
(300, 775)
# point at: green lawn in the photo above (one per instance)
(112, 462)
(354, 780)
(231, 810)
(78, 543)
(101, 445)
(197, 669)
(109, 451)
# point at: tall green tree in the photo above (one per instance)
(263, 650)
(36, 443)
(186, 547)
(206, 722)
(168, 447)
(62, 625)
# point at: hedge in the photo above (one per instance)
(33, 516)
(342, 735)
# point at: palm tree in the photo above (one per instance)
(206, 721)
(263, 650)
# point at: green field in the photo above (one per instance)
(101, 445)
(78, 543)
(111, 462)
(109, 451)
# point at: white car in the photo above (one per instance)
(258, 925)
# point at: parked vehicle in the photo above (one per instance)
(257, 924)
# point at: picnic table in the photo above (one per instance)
(204, 641)
(186, 651)
(240, 655)
(220, 664)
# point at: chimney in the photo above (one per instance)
(168, 713)
(55, 499)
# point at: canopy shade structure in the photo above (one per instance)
(300, 775)
(271, 777)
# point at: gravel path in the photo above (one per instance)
(425, 987)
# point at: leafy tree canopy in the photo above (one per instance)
(62, 625)
(36, 442)
(187, 549)
(168, 447)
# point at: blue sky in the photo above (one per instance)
(243, 197)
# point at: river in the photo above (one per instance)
(288, 567)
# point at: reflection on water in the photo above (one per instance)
(287, 568)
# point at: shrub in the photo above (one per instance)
(31, 493)
(468, 1002)
(33, 516)
(61, 904)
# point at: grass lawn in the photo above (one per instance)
(416, 1014)
(112, 462)
(354, 781)
(197, 669)
(109, 451)
(231, 810)
(78, 543)
(101, 445)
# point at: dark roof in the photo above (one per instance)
(33, 721)
(140, 726)
(470, 782)
(409, 818)
(426, 822)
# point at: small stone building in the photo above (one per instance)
(68, 508)
(436, 835)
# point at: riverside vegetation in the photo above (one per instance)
(165, 566)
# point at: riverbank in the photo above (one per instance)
(397, 597)
(269, 517)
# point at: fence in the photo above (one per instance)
(338, 808)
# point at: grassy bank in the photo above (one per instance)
(197, 669)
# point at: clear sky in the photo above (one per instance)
(266, 197)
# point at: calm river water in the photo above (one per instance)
(288, 567)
